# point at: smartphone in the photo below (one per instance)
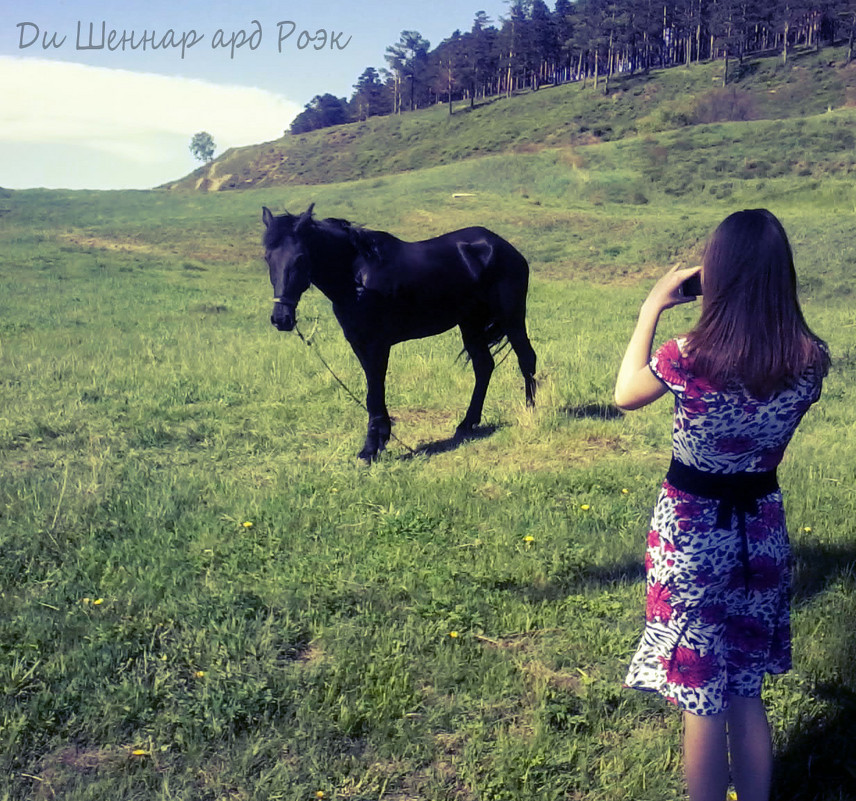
(692, 286)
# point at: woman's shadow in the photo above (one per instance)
(819, 761)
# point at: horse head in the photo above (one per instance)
(288, 261)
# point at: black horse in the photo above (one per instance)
(385, 291)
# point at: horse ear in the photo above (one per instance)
(305, 218)
(267, 216)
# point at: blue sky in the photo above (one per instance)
(79, 117)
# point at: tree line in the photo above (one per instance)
(586, 40)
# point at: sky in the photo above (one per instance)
(97, 95)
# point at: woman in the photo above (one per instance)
(717, 614)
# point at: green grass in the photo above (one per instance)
(154, 646)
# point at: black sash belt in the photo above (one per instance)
(737, 493)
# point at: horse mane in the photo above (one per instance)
(282, 226)
(367, 242)
(339, 223)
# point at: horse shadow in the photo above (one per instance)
(591, 411)
(450, 443)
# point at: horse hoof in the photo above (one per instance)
(369, 455)
(465, 430)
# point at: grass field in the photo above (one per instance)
(206, 596)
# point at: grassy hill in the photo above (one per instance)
(567, 115)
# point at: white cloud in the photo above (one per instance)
(127, 115)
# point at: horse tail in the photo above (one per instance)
(497, 337)
(497, 340)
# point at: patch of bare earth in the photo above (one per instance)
(90, 242)
(201, 250)
(61, 768)
(524, 645)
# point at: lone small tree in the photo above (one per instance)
(202, 146)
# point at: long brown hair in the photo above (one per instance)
(752, 328)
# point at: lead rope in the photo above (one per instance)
(344, 386)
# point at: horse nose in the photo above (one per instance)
(282, 320)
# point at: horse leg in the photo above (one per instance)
(375, 362)
(478, 349)
(525, 358)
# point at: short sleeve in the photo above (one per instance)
(811, 381)
(669, 365)
(822, 369)
(817, 373)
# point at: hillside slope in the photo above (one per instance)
(571, 114)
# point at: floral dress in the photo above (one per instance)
(717, 611)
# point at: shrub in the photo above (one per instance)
(723, 105)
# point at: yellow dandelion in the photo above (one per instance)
(453, 634)
(200, 674)
(585, 507)
(98, 602)
(248, 524)
(139, 752)
(319, 794)
(625, 491)
(807, 529)
(529, 538)
(85, 601)
(334, 489)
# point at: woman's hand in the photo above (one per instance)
(636, 385)
(667, 291)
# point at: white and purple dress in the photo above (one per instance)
(718, 557)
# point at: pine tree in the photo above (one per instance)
(408, 60)
(484, 56)
(368, 96)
